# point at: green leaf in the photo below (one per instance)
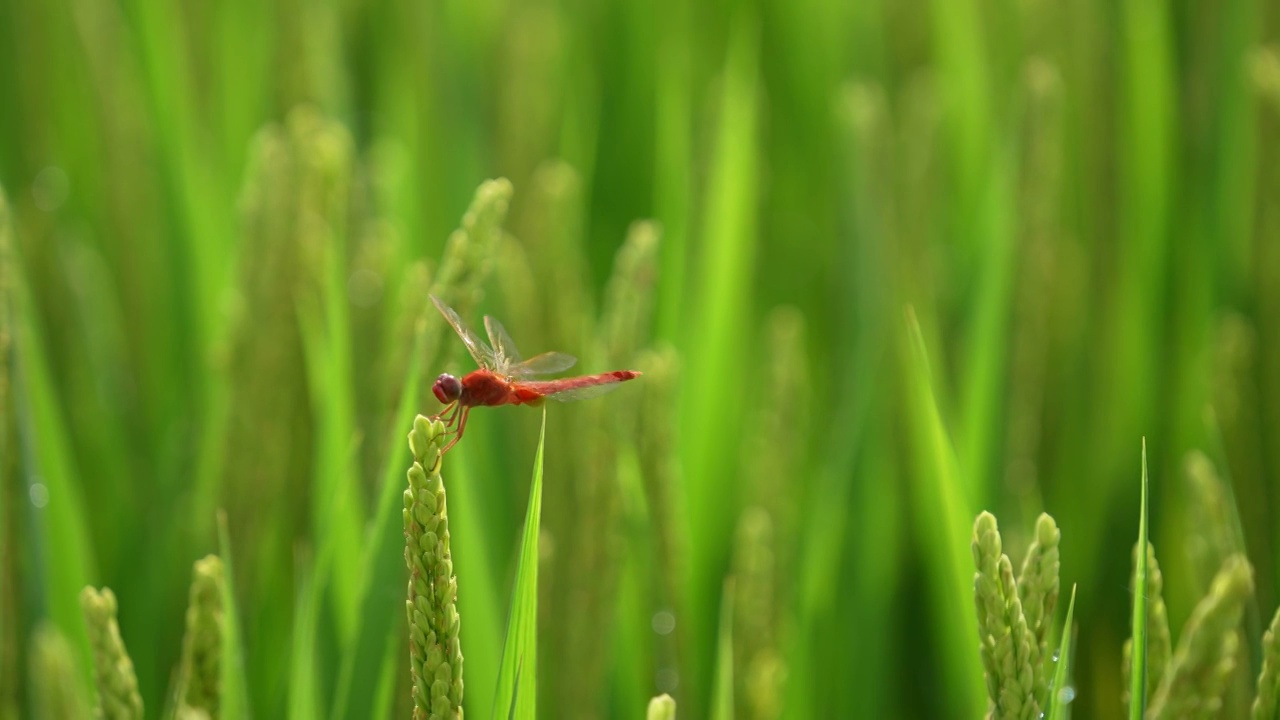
(722, 694)
(1060, 693)
(303, 690)
(719, 300)
(337, 510)
(235, 698)
(943, 526)
(60, 530)
(382, 591)
(1138, 658)
(518, 677)
(57, 540)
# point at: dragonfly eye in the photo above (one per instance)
(447, 388)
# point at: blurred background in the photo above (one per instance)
(884, 265)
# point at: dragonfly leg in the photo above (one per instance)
(457, 434)
(440, 415)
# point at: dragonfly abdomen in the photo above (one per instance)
(577, 388)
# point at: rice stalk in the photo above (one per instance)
(662, 707)
(1038, 592)
(585, 527)
(201, 670)
(1006, 641)
(1211, 513)
(435, 652)
(118, 697)
(1201, 668)
(468, 255)
(294, 209)
(55, 687)
(758, 666)
(1266, 704)
(1037, 276)
(668, 536)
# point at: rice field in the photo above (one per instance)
(959, 326)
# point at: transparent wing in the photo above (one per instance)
(480, 352)
(504, 348)
(545, 364)
(583, 393)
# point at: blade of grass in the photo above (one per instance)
(384, 695)
(60, 654)
(518, 677)
(712, 409)
(942, 515)
(986, 367)
(1138, 659)
(382, 571)
(235, 698)
(57, 544)
(303, 691)
(856, 448)
(474, 566)
(673, 175)
(722, 693)
(633, 641)
(335, 513)
(1060, 693)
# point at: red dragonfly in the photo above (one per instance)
(503, 378)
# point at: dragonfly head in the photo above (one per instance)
(447, 388)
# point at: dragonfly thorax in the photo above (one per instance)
(447, 388)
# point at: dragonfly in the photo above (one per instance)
(503, 378)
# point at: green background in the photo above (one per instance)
(221, 222)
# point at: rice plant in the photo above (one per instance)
(882, 268)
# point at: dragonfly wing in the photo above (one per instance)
(583, 393)
(504, 348)
(545, 364)
(480, 352)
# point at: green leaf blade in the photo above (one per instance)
(1060, 692)
(1138, 659)
(516, 695)
(722, 694)
(382, 569)
(235, 695)
(942, 523)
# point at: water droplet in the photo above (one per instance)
(1055, 655)
(664, 622)
(1066, 694)
(39, 494)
